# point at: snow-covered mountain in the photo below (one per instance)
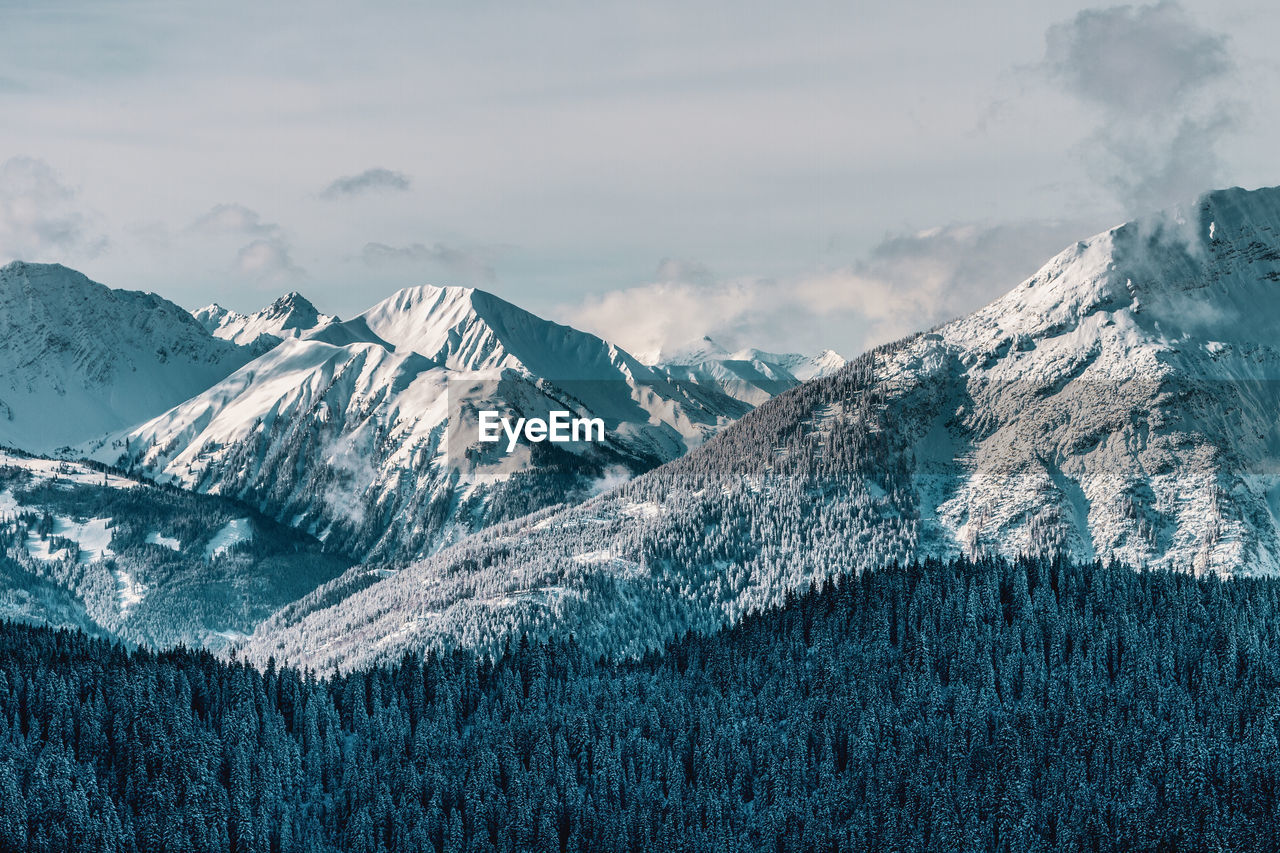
(364, 433)
(290, 316)
(79, 360)
(750, 375)
(1121, 403)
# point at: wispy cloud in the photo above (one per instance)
(41, 217)
(267, 258)
(368, 181)
(906, 283)
(1153, 75)
(233, 219)
(471, 265)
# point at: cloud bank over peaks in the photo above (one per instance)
(906, 283)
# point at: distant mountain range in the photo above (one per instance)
(358, 431)
(1120, 404)
(290, 316)
(358, 434)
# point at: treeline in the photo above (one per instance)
(1026, 706)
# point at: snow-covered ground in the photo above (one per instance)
(155, 537)
(65, 472)
(93, 537)
(128, 591)
(232, 533)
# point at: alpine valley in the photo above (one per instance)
(307, 488)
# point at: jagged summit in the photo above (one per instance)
(290, 316)
(294, 312)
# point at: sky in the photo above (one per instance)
(787, 176)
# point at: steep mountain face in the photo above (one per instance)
(290, 316)
(750, 375)
(1119, 404)
(364, 433)
(79, 360)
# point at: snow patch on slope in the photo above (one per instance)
(231, 534)
(155, 537)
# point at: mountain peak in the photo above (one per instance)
(468, 329)
(81, 359)
(290, 316)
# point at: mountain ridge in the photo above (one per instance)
(1116, 405)
(81, 359)
(290, 316)
(356, 431)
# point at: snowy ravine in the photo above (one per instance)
(1119, 404)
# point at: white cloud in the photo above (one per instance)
(41, 218)
(267, 258)
(233, 219)
(907, 283)
(268, 261)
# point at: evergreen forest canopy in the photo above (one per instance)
(1029, 706)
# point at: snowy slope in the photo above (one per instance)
(1121, 403)
(79, 360)
(290, 316)
(363, 432)
(750, 375)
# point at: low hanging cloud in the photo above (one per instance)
(1158, 82)
(267, 258)
(41, 218)
(368, 181)
(906, 283)
(472, 266)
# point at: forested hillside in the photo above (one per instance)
(960, 706)
(91, 547)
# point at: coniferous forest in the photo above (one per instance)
(1025, 706)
